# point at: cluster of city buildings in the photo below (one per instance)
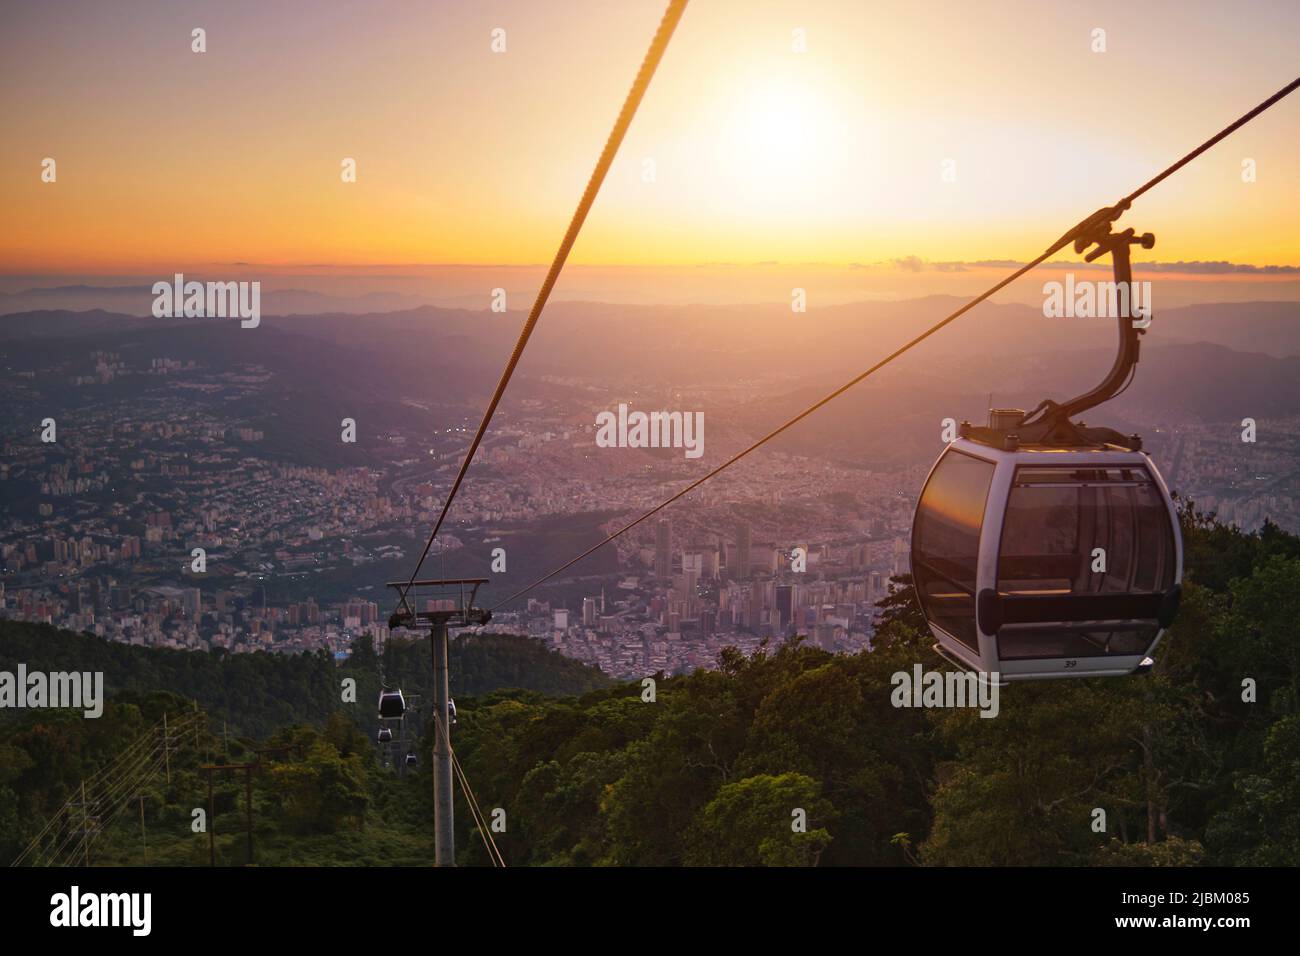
(688, 603)
(164, 521)
(1244, 482)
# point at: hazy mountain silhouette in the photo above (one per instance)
(1211, 362)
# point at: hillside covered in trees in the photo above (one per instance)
(292, 704)
(259, 693)
(1189, 766)
(1195, 763)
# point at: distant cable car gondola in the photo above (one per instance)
(411, 759)
(392, 704)
(385, 735)
(1042, 547)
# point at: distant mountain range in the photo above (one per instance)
(583, 330)
(137, 300)
(1205, 362)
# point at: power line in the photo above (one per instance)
(127, 755)
(101, 826)
(88, 800)
(1226, 131)
(142, 770)
(134, 766)
(1104, 215)
(639, 86)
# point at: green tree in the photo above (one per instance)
(322, 793)
(756, 821)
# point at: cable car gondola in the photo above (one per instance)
(1042, 547)
(392, 704)
(385, 735)
(411, 759)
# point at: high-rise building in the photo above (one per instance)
(743, 544)
(783, 609)
(709, 564)
(691, 585)
(589, 612)
(664, 550)
(902, 556)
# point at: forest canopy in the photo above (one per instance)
(790, 757)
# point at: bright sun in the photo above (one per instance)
(779, 140)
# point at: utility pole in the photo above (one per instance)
(248, 807)
(248, 769)
(443, 823)
(399, 752)
(85, 825)
(144, 840)
(212, 832)
(463, 614)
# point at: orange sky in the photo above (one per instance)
(168, 159)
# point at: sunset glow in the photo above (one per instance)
(167, 159)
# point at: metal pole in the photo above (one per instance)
(212, 825)
(248, 803)
(85, 824)
(444, 834)
(167, 750)
(144, 840)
